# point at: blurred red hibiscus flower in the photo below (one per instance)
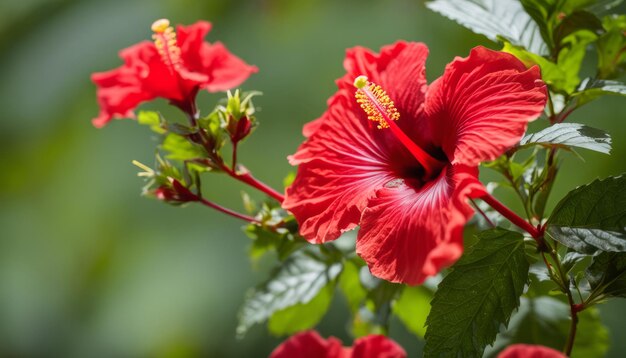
(401, 158)
(311, 345)
(530, 351)
(175, 67)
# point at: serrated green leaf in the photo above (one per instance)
(412, 308)
(542, 12)
(477, 296)
(566, 135)
(494, 19)
(179, 148)
(297, 281)
(302, 316)
(546, 321)
(592, 217)
(590, 89)
(607, 274)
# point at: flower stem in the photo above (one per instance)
(227, 211)
(513, 217)
(246, 177)
(482, 213)
(234, 158)
(574, 308)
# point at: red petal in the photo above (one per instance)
(120, 90)
(346, 159)
(221, 69)
(409, 234)
(224, 69)
(530, 351)
(482, 104)
(399, 69)
(309, 345)
(377, 346)
(341, 166)
(190, 39)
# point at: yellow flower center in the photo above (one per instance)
(165, 41)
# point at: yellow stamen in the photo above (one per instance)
(380, 108)
(165, 41)
(375, 102)
(160, 25)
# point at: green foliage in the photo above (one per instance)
(412, 307)
(577, 21)
(478, 296)
(562, 75)
(152, 120)
(592, 217)
(545, 321)
(180, 148)
(350, 285)
(302, 316)
(607, 274)
(266, 239)
(566, 135)
(297, 281)
(494, 19)
(591, 89)
(611, 47)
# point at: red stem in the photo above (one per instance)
(513, 217)
(228, 211)
(247, 178)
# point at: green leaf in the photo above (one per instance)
(477, 296)
(592, 217)
(590, 89)
(412, 308)
(600, 7)
(577, 21)
(542, 12)
(607, 274)
(558, 78)
(266, 239)
(351, 287)
(611, 47)
(299, 280)
(545, 321)
(302, 316)
(565, 135)
(180, 148)
(151, 119)
(494, 19)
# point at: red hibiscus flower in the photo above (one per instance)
(175, 67)
(530, 351)
(399, 158)
(311, 345)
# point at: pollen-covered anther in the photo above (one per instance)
(375, 102)
(165, 42)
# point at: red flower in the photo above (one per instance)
(311, 345)
(406, 182)
(175, 67)
(530, 351)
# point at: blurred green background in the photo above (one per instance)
(90, 269)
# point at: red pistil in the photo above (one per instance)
(380, 108)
